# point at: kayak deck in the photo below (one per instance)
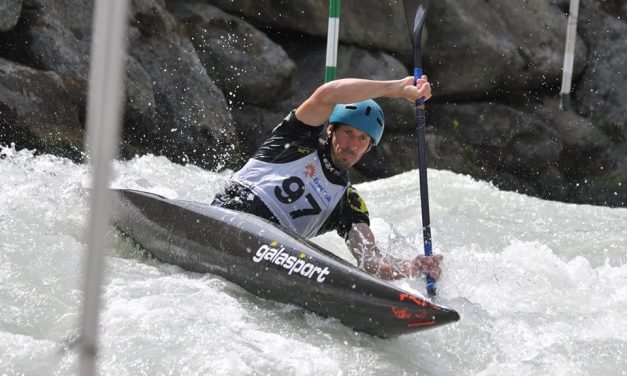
(271, 263)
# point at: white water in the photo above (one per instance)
(541, 286)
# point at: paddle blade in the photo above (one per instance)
(415, 13)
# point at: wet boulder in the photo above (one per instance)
(193, 123)
(39, 111)
(9, 14)
(243, 61)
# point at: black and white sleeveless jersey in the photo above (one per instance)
(291, 180)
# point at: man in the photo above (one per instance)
(301, 183)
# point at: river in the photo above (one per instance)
(541, 286)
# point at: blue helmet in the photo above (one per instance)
(366, 116)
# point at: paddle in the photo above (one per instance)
(416, 12)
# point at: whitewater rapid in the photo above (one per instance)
(541, 286)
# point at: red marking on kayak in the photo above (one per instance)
(401, 313)
(420, 302)
(418, 319)
(420, 323)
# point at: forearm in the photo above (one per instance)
(389, 268)
(369, 258)
(351, 90)
(317, 108)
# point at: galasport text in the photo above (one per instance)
(292, 264)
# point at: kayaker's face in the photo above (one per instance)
(348, 145)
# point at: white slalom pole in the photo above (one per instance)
(333, 34)
(103, 123)
(569, 55)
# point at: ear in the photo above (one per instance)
(330, 129)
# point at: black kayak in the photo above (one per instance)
(271, 263)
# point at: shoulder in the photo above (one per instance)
(290, 140)
(291, 125)
(356, 202)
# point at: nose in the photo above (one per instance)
(350, 144)
(353, 142)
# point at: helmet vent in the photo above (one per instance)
(351, 107)
(379, 121)
(368, 109)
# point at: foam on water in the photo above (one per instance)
(541, 286)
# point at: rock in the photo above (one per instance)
(505, 138)
(172, 107)
(360, 63)
(397, 154)
(616, 8)
(374, 25)
(247, 65)
(545, 152)
(574, 131)
(472, 47)
(140, 112)
(193, 122)
(53, 36)
(254, 125)
(490, 49)
(495, 69)
(9, 14)
(38, 111)
(601, 92)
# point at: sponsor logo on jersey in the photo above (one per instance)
(310, 170)
(330, 166)
(292, 264)
(322, 192)
(316, 183)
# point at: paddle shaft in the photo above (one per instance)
(424, 188)
(416, 13)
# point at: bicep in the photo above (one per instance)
(316, 109)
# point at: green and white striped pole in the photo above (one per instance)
(332, 39)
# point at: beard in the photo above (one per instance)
(344, 159)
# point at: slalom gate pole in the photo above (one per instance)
(569, 55)
(333, 33)
(103, 122)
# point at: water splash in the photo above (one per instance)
(541, 286)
